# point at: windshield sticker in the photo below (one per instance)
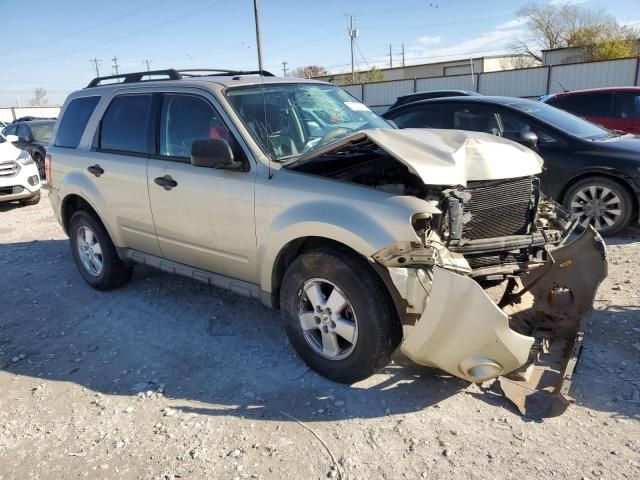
(357, 106)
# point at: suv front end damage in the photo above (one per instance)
(530, 339)
(489, 227)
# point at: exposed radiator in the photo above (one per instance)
(497, 209)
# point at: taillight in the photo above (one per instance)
(47, 169)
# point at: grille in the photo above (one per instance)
(11, 190)
(489, 260)
(9, 169)
(497, 209)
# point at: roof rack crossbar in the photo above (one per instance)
(171, 74)
(218, 72)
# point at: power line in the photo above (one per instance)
(122, 37)
(93, 27)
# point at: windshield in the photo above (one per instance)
(291, 119)
(41, 131)
(566, 121)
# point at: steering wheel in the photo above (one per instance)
(338, 132)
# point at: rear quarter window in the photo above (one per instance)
(74, 121)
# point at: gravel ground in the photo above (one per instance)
(167, 378)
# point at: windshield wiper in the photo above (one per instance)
(613, 133)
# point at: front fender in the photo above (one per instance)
(364, 228)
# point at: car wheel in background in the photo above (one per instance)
(95, 254)
(604, 203)
(33, 200)
(339, 315)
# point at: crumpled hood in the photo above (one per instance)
(445, 157)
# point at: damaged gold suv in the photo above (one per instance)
(368, 238)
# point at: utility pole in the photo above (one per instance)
(390, 57)
(256, 13)
(96, 62)
(284, 68)
(115, 64)
(353, 34)
(403, 54)
(147, 62)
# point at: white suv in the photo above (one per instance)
(19, 179)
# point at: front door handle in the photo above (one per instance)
(96, 170)
(166, 182)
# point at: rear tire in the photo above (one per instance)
(363, 309)
(602, 202)
(33, 200)
(103, 270)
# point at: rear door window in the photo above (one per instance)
(74, 121)
(125, 125)
(429, 116)
(587, 104)
(628, 105)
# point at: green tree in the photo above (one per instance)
(565, 25)
(373, 75)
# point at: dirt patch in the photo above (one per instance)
(168, 378)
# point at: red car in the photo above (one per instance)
(617, 108)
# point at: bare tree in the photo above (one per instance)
(519, 60)
(39, 98)
(310, 71)
(558, 26)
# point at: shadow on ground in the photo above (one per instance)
(201, 344)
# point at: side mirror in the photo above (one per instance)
(528, 139)
(213, 153)
(12, 138)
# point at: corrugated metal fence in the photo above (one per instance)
(9, 114)
(527, 82)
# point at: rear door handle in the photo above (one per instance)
(96, 170)
(166, 182)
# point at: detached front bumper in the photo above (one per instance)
(531, 340)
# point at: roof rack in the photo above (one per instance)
(211, 72)
(173, 74)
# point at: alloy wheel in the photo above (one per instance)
(327, 319)
(89, 250)
(597, 205)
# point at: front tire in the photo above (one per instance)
(95, 254)
(602, 202)
(339, 315)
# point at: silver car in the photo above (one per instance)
(369, 239)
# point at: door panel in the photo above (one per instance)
(203, 217)
(122, 154)
(206, 220)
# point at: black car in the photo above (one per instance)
(428, 95)
(33, 136)
(591, 170)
